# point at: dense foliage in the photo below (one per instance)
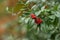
(38, 19)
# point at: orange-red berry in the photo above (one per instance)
(38, 21)
(33, 16)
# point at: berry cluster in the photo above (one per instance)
(37, 20)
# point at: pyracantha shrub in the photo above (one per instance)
(41, 14)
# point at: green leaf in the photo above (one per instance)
(52, 17)
(57, 37)
(38, 12)
(55, 7)
(57, 14)
(55, 23)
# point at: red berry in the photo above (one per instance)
(38, 21)
(33, 16)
